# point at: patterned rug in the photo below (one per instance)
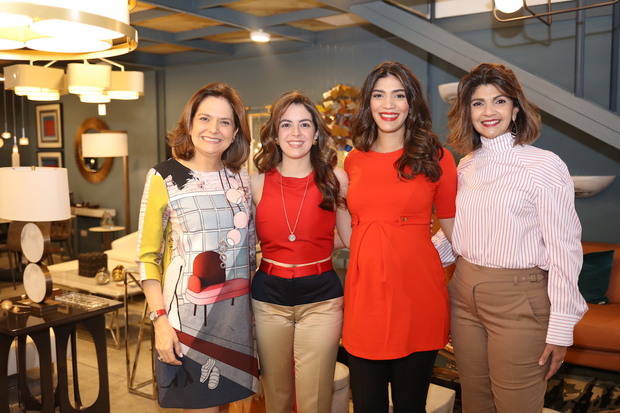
(572, 390)
(580, 394)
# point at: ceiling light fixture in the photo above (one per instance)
(36, 82)
(6, 134)
(126, 85)
(84, 78)
(95, 98)
(23, 141)
(260, 36)
(62, 30)
(511, 6)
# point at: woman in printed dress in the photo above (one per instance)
(196, 251)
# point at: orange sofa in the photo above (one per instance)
(597, 335)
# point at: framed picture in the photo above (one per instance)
(49, 126)
(50, 159)
(256, 121)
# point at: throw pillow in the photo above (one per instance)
(594, 276)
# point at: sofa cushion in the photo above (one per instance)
(613, 292)
(599, 329)
(594, 276)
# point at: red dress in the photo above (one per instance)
(395, 301)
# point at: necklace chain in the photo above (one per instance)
(292, 236)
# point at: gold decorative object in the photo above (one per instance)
(118, 273)
(338, 107)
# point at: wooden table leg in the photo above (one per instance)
(26, 399)
(74, 368)
(63, 333)
(42, 341)
(96, 328)
(5, 348)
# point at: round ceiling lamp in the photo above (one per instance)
(69, 30)
(260, 36)
(68, 45)
(9, 44)
(14, 20)
(508, 6)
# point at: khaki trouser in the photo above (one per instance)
(499, 325)
(304, 338)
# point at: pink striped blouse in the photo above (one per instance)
(516, 209)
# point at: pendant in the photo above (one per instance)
(292, 237)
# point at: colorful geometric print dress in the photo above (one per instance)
(196, 236)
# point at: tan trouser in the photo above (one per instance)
(304, 338)
(499, 325)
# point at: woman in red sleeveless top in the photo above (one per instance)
(396, 301)
(296, 295)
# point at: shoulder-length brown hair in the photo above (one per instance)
(322, 154)
(462, 136)
(422, 150)
(180, 139)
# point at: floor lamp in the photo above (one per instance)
(110, 144)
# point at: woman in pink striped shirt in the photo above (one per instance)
(514, 293)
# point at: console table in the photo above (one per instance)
(63, 322)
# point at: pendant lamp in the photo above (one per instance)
(23, 141)
(6, 134)
(15, 151)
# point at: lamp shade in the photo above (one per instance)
(87, 78)
(34, 194)
(31, 79)
(105, 144)
(126, 85)
(448, 91)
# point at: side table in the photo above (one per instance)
(107, 234)
(63, 322)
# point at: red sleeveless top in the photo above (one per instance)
(314, 231)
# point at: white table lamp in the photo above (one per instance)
(33, 194)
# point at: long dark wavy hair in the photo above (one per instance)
(322, 154)
(422, 149)
(463, 136)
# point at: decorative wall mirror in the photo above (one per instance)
(93, 170)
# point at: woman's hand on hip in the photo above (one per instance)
(557, 354)
(166, 342)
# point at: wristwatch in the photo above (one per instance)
(154, 315)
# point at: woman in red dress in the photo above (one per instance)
(396, 301)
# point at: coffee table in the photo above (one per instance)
(66, 275)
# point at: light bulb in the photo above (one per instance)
(6, 135)
(23, 141)
(508, 6)
(1, 143)
(260, 36)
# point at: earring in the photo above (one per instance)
(514, 130)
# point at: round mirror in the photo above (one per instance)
(92, 169)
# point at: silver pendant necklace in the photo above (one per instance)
(291, 236)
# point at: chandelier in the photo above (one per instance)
(65, 29)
